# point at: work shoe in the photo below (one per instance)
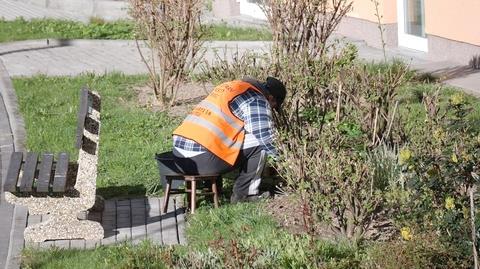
(255, 198)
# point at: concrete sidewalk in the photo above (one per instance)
(73, 57)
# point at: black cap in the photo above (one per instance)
(272, 86)
(276, 88)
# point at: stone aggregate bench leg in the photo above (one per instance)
(62, 222)
(64, 227)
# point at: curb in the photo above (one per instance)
(16, 121)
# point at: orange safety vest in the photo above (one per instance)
(214, 126)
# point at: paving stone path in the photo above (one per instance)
(73, 57)
(127, 220)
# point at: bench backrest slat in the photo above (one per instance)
(13, 172)
(61, 169)
(45, 173)
(82, 113)
(29, 169)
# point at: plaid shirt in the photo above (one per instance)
(253, 108)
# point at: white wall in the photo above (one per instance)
(251, 9)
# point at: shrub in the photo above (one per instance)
(174, 35)
(440, 171)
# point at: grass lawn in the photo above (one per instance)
(21, 29)
(123, 256)
(130, 136)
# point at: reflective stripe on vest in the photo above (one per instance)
(209, 105)
(213, 125)
(214, 129)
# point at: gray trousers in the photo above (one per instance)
(250, 163)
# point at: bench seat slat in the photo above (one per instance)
(29, 169)
(61, 169)
(45, 173)
(13, 172)
(82, 113)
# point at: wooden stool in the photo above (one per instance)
(191, 187)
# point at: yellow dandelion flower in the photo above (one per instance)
(449, 203)
(404, 156)
(406, 233)
(454, 158)
(457, 99)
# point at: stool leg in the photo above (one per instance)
(215, 192)
(193, 198)
(167, 195)
(188, 187)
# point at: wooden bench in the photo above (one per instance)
(50, 184)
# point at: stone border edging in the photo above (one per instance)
(16, 121)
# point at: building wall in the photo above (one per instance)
(226, 8)
(451, 27)
(368, 31)
(457, 20)
(365, 9)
